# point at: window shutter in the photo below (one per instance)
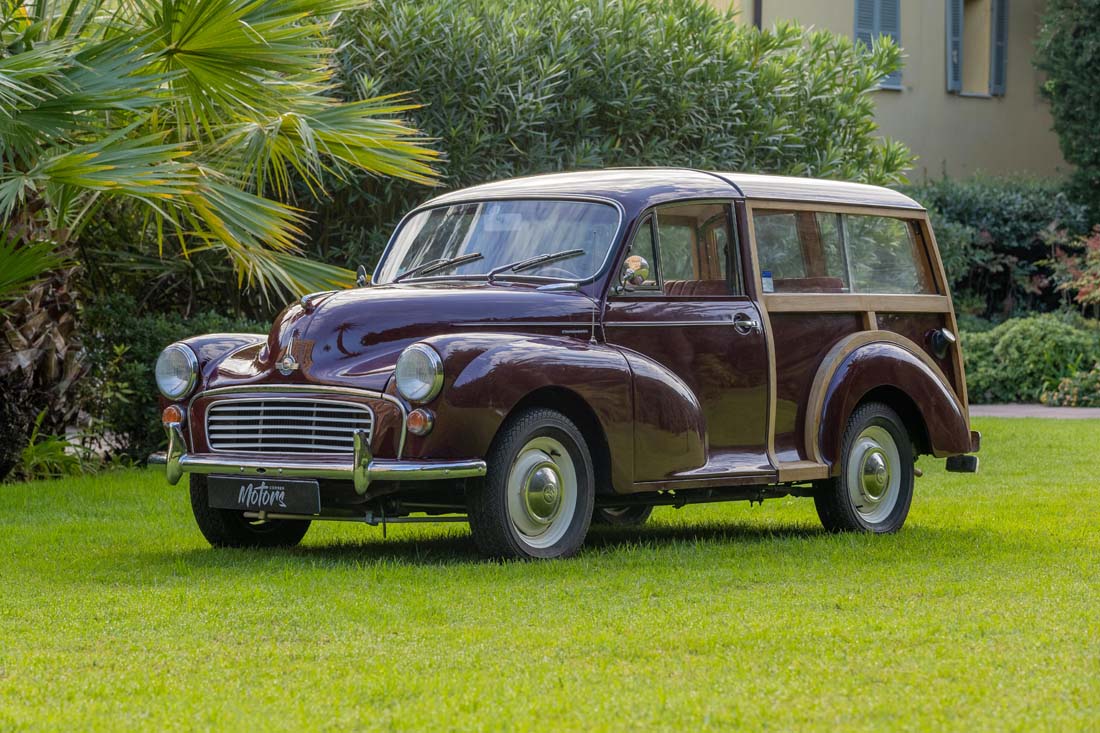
(889, 24)
(865, 22)
(998, 66)
(954, 45)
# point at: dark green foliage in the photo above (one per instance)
(1022, 357)
(991, 236)
(131, 412)
(515, 87)
(1068, 52)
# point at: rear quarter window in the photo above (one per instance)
(829, 252)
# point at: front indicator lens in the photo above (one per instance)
(419, 373)
(172, 415)
(420, 421)
(177, 371)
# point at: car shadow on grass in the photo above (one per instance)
(459, 548)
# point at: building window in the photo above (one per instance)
(977, 46)
(876, 18)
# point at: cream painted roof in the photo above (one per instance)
(786, 188)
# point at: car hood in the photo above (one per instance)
(353, 337)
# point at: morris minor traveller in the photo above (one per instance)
(535, 355)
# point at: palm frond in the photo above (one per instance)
(319, 135)
(22, 266)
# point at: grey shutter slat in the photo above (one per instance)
(999, 61)
(865, 22)
(889, 24)
(954, 45)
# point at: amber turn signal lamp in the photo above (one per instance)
(420, 421)
(172, 414)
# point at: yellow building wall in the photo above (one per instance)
(957, 134)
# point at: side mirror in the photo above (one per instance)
(360, 277)
(634, 273)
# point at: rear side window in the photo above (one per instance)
(822, 252)
(886, 257)
(801, 252)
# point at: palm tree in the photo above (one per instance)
(200, 113)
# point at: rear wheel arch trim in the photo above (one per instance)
(843, 352)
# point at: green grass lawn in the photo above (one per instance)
(981, 614)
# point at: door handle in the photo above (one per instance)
(745, 325)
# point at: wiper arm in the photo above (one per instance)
(535, 261)
(439, 264)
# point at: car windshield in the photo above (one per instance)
(504, 233)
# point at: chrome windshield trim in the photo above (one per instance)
(318, 389)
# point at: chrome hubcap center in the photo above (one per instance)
(875, 477)
(542, 492)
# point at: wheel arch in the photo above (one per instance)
(576, 408)
(901, 403)
(884, 366)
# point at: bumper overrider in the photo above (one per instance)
(361, 468)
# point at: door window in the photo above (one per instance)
(694, 250)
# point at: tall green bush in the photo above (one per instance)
(515, 87)
(123, 344)
(992, 237)
(1068, 52)
(1022, 357)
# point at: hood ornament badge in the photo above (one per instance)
(287, 364)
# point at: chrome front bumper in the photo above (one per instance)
(360, 468)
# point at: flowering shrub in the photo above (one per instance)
(1076, 265)
(1080, 390)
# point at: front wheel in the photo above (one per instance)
(227, 528)
(536, 500)
(875, 486)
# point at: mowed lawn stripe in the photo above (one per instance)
(982, 613)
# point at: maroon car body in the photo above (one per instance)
(736, 380)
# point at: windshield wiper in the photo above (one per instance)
(535, 261)
(439, 264)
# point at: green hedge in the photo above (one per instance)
(1023, 357)
(123, 344)
(515, 87)
(991, 236)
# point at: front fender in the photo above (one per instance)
(876, 360)
(225, 353)
(488, 374)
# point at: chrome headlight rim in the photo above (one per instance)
(192, 366)
(435, 362)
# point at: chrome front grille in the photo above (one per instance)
(286, 425)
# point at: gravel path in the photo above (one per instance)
(1057, 413)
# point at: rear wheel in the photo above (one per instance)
(227, 528)
(627, 516)
(536, 500)
(875, 486)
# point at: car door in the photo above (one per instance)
(683, 317)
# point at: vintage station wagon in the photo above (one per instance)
(537, 354)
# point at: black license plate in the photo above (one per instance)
(254, 494)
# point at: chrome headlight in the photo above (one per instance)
(419, 373)
(177, 371)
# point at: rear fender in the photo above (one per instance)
(892, 365)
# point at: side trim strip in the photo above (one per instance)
(646, 324)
